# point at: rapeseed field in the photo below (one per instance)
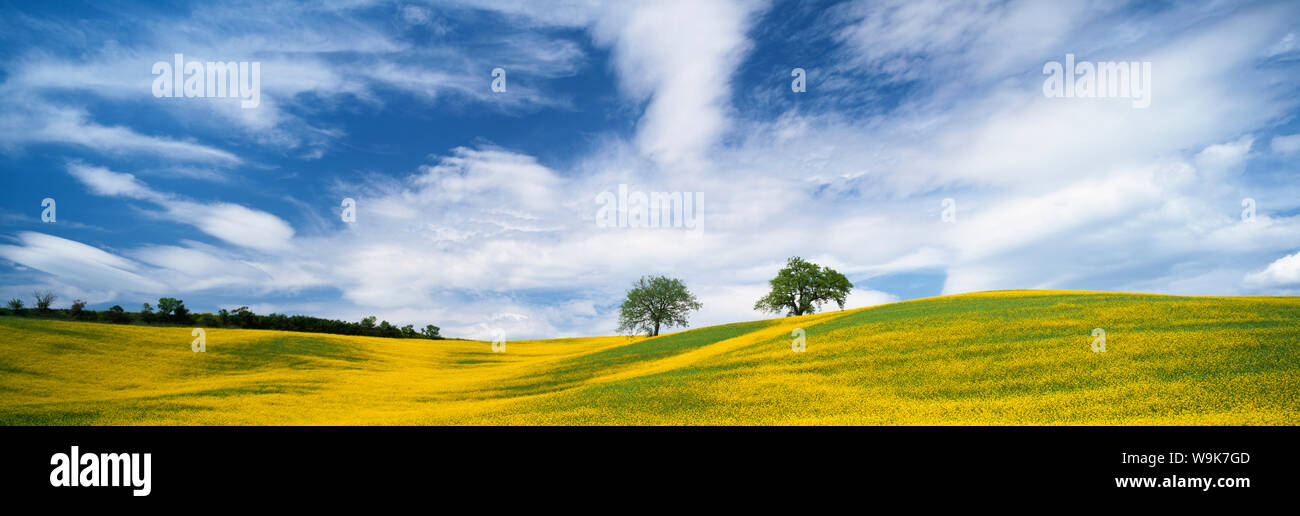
(998, 358)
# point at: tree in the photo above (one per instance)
(167, 305)
(431, 332)
(245, 318)
(16, 306)
(180, 314)
(146, 313)
(387, 329)
(801, 288)
(655, 302)
(117, 315)
(77, 309)
(44, 299)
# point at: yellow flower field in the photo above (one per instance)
(1001, 358)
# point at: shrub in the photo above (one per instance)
(117, 315)
(78, 309)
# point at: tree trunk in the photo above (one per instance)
(656, 333)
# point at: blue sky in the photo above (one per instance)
(477, 209)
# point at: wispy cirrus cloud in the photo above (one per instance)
(78, 263)
(38, 122)
(330, 57)
(231, 223)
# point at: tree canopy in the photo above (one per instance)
(167, 305)
(801, 287)
(172, 311)
(654, 303)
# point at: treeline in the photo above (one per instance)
(172, 312)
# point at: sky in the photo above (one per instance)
(925, 153)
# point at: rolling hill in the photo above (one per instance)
(1001, 358)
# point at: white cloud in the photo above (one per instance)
(198, 267)
(683, 75)
(1283, 272)
(686, 78)
(235, 224)
(511, 180)
(79, 263)
(861, 297)
(909, 40)
(232, 223)
(103, 181)
(327, 59)
(1225, 157)
(98, 275)
(38, 122)
(1287, 144)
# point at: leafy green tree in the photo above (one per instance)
(386, 329)
(802, 287)
(146, 313)
(431, 332)
(167, 305)
(223, 315)
(16, 306)
(656, 302)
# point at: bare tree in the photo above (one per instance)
(44, 299)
